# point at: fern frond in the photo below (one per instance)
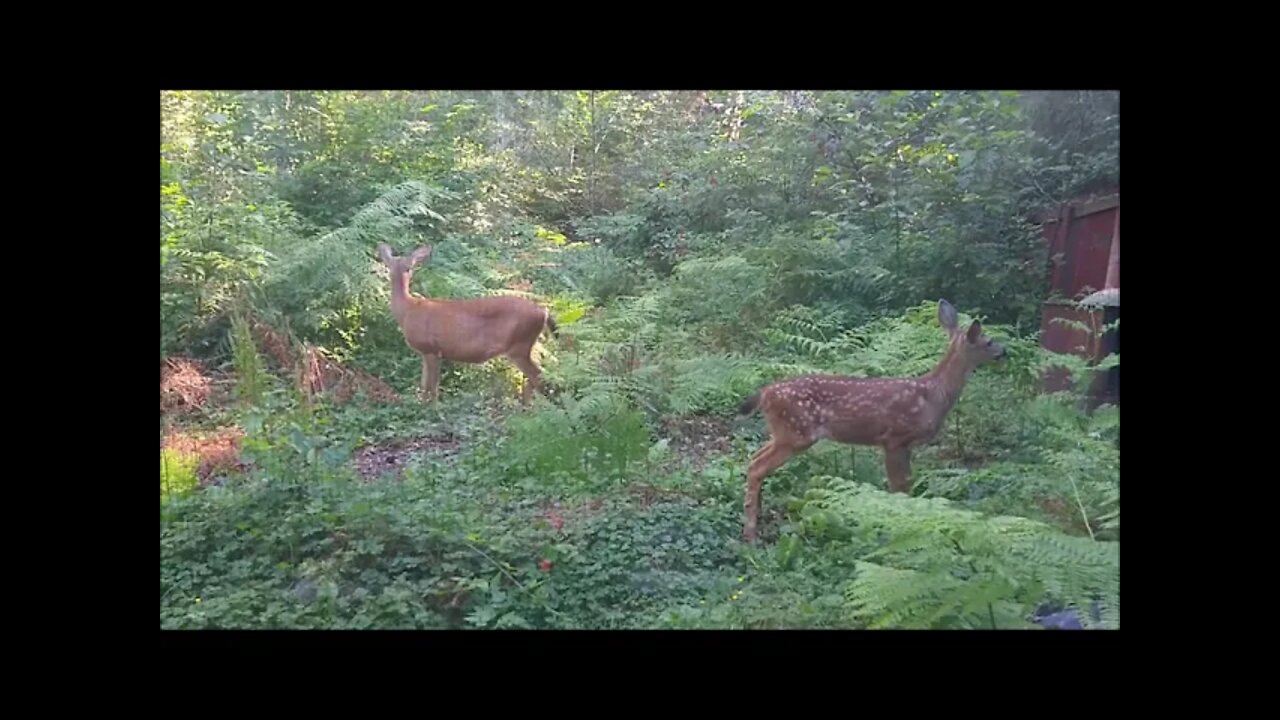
(335, 270)
(887, 597)
(955, 567)
(711, 381)
(779, 370)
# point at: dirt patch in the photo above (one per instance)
(374, 461)
(218, 451)
(698, 438)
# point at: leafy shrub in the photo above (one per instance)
(595, 272)
(711, 383)
(726, 295)
(330, 288)
(177, 473)
(251, 373)
(590, 444)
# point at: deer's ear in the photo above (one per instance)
(947, 316)
(974, 332)
(420, 255)
(384, 252)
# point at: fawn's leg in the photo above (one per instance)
(897, 466)
(522, 358)
(769, 458)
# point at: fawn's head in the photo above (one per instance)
(403, 265)
(972, 345)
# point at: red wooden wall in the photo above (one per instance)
(1079, 237)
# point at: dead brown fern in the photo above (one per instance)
(184, 386)
(218, 451)
(315, 374)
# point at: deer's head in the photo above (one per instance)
(403, 265)
(972, 345)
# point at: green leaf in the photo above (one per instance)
(571, 316)
(481, 616)
(512, 620)
(252, 422)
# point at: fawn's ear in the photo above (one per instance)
(947, 316)
(384, 252)
(420, 255)
(974, 332)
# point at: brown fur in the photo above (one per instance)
(470, 331)
(895, 414)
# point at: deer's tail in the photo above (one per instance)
(749, 404)
(552, 326)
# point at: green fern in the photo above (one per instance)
(715, 382)
(725, 295)
(251, 372)
(594, 440)
(896, 346)
(799, 329)
(779, 370)
(942, 566)
(605, 395)
(613, 343)
(315, 283)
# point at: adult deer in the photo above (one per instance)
(470, 331)
(893, 413)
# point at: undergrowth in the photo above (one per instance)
(555, 516)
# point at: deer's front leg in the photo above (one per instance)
(422, 384)
(433, 384)
(897, 466)
(430, 385)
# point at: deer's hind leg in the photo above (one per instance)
(897, 466)
(522, 357)
(772, 456)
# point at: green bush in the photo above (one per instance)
(584, 444)
(727, 296)
(597, 273)
(177, 473)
